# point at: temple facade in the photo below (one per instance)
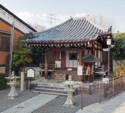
(67, 44)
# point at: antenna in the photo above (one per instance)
(51, 18)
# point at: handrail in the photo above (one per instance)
(50, 66)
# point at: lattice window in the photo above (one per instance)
(4, 43)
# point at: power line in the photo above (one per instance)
(51, 18)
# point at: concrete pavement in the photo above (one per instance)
(113, 105)
(55, 104)
(32, 104)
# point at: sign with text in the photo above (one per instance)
(30, 73)
(106, 49)
(80, 70)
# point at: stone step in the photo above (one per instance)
(50, 88)
(57, 88)
(54, 92)
(54, 86)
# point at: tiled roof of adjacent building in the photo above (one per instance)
(10, 17)
(73, 30)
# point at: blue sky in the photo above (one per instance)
(37, 11)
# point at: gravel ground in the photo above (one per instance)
(6, 103)
(56, 106)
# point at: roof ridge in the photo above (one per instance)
(96, 25)
(75, 18)
(87, 17)
(54, 26)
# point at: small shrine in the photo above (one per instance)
(89, 67)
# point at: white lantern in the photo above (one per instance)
(108, 41)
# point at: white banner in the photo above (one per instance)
(80, 70)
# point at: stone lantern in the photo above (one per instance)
(70, 89)
(12, 83)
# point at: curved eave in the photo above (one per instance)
(74, 44)
(59, 41)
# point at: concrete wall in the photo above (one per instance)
(2, 70)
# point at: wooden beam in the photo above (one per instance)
(46, 64)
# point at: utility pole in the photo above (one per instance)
(11, 49)
(51, 17)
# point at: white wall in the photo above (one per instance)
(70, 63)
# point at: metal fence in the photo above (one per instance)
(98, 92)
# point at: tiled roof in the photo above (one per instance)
(10, 17)
(73, 30)
(90, 58)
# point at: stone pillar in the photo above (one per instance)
(22, 82)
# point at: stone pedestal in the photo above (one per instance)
(69, 100)
(12, 92)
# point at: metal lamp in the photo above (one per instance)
(109, 41)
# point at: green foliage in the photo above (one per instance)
(21, 55)
(119, 35)
(119, 48)
(3, 81)
(24, 55)
(37, 55)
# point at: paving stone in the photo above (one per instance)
(6, 103)
(31, 104)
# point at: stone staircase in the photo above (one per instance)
(49, 88)
(62, 75)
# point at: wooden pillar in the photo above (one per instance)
(83, 54)
(93, 50)
(80, 57)
(93, 64)
(46, 64)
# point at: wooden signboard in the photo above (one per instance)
(30, 73)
